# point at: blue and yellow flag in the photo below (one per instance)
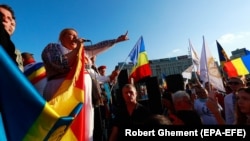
(25, 115)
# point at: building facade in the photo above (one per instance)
(176, 65)
(239, 53)
(166, 66)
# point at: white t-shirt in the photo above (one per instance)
(206, 115)
(229, 109)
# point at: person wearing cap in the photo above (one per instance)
(107, 82)
(34, 71)
(102, 112)
(110, 78)
(99, 73)
(28, 59)
(102, 69)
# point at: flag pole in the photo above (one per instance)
(192, 51)
(123, 65)
(205, 54)
(127, 58)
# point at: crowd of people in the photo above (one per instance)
(212, 106)
(197, 105)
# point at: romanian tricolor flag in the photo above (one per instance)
(222, 54)
(237, 67)
(36, 72)
(24, 114)
(139, 58)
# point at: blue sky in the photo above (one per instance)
(166, 25)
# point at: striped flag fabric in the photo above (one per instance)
(139, 58)
(71, 93)
(25, 115)
(237, 67)
(36, 73)
(222, 54)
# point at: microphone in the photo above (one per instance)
(84, 40)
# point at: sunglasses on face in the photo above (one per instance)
(233, 83)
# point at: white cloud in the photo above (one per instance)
(227, 38)
(232, 38)
(233, 41)
(176, 50)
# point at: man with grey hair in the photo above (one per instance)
(184, 108)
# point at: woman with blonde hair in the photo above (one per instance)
(58, 60)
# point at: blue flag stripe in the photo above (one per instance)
(21, 104)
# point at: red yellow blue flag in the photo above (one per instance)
(238, 66)
(36, 73)
(139, 58)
